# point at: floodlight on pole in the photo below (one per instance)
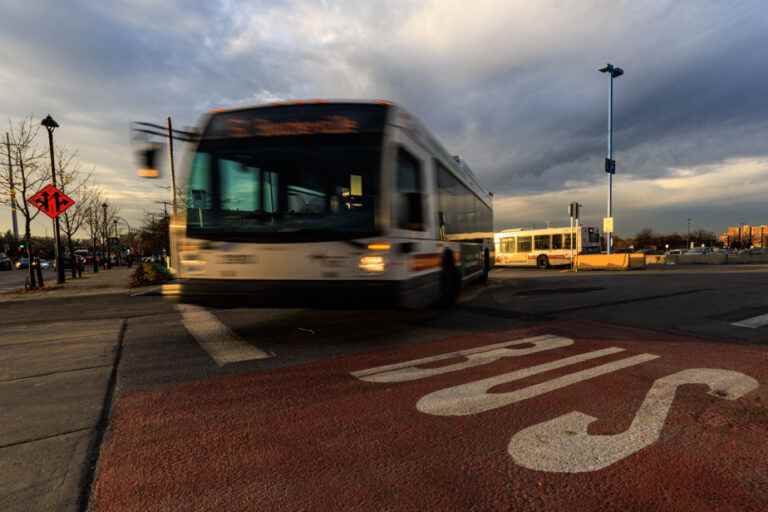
(610, 164)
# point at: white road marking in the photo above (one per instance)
(563, 445)
(752, 323)
(223, 345)
(407, 371)
(474, 397)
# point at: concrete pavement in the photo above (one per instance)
(54, 380)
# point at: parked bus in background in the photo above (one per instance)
(318, 203)
(544, 247)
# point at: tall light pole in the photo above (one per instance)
(108, 264)
(117, 249)
(610, 164)
(51, 125)
(689, 233)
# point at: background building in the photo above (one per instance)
(745, 235)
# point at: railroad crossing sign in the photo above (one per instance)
(51, 201)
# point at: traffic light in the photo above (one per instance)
(148, 158)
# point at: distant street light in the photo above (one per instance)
(104, 207)
(51, 125)
(689, 233)
(610, 165)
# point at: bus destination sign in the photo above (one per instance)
(295, 120)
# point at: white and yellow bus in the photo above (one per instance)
(323, 203)
(544, 247)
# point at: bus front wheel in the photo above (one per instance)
(542, 262)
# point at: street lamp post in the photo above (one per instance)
(117, 250)
(107, 263)
(610, 165)
(689, 233)
(51, 125)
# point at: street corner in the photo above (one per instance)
(556, 416)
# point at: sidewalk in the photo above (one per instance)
(110, 281)
(55, 379)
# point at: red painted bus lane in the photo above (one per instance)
(616, 419)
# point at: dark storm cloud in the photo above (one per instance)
(512, 86)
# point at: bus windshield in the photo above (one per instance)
(284, 189)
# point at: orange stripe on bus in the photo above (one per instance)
(425, 261)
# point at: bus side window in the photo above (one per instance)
(542, 242)
(524, 244)
(410, 213)
(567, 241)
(557, 241)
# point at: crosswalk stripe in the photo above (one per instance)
(221, 343)
(752, 323)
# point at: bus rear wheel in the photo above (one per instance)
(542, 261)
(486, 267)
(450, 282)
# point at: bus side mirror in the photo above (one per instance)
(413, 211)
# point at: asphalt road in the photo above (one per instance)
(543, 390)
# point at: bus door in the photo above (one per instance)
(411, 208)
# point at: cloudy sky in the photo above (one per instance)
(510, 85)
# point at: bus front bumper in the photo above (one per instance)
(325, 294)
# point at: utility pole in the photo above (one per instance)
(689, 233)
(610, 164)
(14, 219)
(173, 167)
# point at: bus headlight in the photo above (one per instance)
(372, 263)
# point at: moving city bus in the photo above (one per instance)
(319, 203)
(544, 247)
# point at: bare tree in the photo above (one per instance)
(29, 174)
(74, 182)
(92, 216)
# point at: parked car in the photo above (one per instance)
(22, 263)
(674, 252)
(45, 264)
(5, 262)
(85, 254)
(66, 261)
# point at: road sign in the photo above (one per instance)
(608, 225)
(573, 210)
(51, 201)
(610, 166)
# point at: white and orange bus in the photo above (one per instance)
(316, 203)
(544, 247)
